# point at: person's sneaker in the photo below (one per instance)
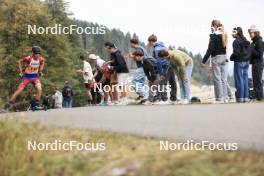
(124, 101)
(8, 105)
(171, 102)
(36, 108)
(239, 101)
(147, 103)
(181, 101)
(184, 102)
(142, 101)
(2, 111)
(113, 103)
(102, 103)
(226, 101)
(232, 100)
(139, 98)
(218, 102)
(119, 102)
(161, 103)
(106, 103)
(247, 100)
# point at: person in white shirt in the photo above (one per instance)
(88, 77)
(58, 99)
(102, 78)
(98, 61)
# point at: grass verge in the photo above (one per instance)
(124, 155)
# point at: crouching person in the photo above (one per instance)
(139, 77)
(151, 71)
(184, 66)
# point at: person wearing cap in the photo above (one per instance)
(96, 60)
(256, 60)
(34, 66)
(102, 77)
(88, 77)
(120, 71)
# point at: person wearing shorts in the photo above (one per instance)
(118, 65)
(34, 67)
(103, 75)
(88, 77)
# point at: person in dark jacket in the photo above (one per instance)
(166, 72)
(241, 56)
(118, 65)
(157, 47)
(67, 94)
(257, 61)
(150, 68)
(46, 102)
(217, 50)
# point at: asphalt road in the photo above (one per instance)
(234, 123)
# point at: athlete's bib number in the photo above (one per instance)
(34, 66)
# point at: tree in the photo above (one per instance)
(57, 49)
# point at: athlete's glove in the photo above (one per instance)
(21, 75)
(40, 74)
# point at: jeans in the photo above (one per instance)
(220, 75)
(67, 103)
(162, 91)
(241, 81)
(139, 82)
(185, 85)
(257, 71)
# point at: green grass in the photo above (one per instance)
(132, 154)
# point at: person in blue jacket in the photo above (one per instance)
(165, 70)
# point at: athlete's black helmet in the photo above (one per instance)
(36, 49)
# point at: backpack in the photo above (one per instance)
(67, 92)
